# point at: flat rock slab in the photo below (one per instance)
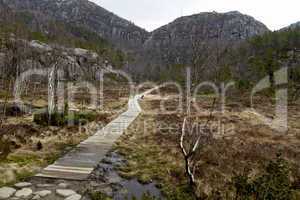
(43, 193)
(74, 197)
(23, 184)
(65, 193)
(6, 192)
(24, 193)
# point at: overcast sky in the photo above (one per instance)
(151, 14)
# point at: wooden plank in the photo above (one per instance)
(80, 162)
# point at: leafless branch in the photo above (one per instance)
(190, 145)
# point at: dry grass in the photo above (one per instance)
(22, 135)
(151, 145)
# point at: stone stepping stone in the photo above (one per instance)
(23, 185)
(74, 197)
(36, 197)
(65, 193)
(45, 185)
(63, 185)
(24, 193)
(43, 193)
(6, 192)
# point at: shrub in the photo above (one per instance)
(148, 196)
(243, 188)
(60, 119)
(54, 119)
(98, 196)
(273, 184)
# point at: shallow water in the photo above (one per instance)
(137, 190)
(123, 188)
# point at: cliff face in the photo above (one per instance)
(120, 32)
(174, 42)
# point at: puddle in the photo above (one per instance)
(122, 188)
(135, 189)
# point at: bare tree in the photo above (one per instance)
(54, 62)
(194, 137)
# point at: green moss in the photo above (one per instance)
(145, 165)
(22, 159)
(99, 196)
(145, 179)
(127, 175)
(19, 177)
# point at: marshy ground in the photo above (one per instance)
(147, 158)
(242, 144)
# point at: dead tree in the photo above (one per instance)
(193, 140)
(54, 62)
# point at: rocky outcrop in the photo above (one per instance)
(76, 63)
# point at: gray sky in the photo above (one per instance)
(151, 14)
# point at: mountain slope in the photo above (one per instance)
(81, 13)
(292, 26)
(198, 40)
(175, 41)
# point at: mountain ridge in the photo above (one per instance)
(175, 43)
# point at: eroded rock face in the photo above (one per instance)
(76, 63)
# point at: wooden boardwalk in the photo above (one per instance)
(81, 161)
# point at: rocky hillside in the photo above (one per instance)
(190, 40)
(293, 26)
(17, 56)
(176, 42)
(80, 13)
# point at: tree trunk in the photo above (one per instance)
(52, 96)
